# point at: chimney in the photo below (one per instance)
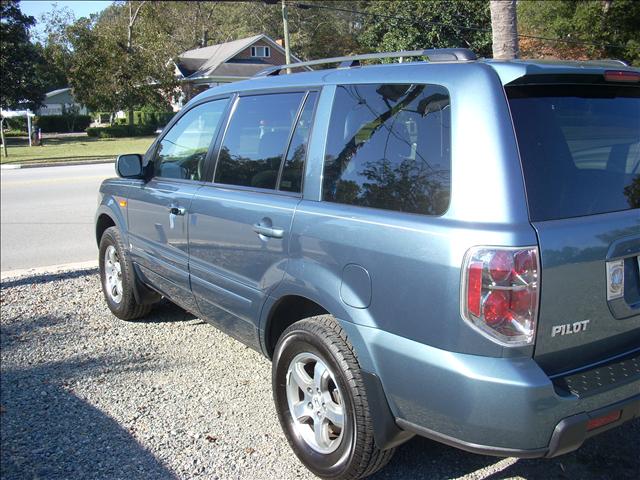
(280, 42)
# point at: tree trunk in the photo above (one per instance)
(131, 121)
(132, 21)
(504, 26)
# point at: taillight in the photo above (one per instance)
(500, 293)
(622, 76)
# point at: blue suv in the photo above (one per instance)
(448, 248)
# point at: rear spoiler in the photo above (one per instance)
(522, 73)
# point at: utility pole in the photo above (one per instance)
(287, 51)
(4, 143)
(504, 27)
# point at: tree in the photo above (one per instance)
(320, 31)
(54, 47)
(504, 29)
(120, 59)
(418, 24)
(610, 24)
(19, 58)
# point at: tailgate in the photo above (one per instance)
(579, 146)
(577, 325)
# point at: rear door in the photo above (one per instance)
(158, 211)
(580, 151)
(240, 223)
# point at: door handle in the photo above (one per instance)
(268, 231)
(177, 210)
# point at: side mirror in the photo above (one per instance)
(129, 166)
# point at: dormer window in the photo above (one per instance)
(260, 52)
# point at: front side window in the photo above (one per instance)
(389, 148)
(256, 140)
(182, 151)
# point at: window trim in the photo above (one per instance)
(153, 149)
(210, 180)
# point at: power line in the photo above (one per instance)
(305, 6)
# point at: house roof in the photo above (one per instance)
(217, 60)
(53, 93)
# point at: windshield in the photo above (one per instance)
(579, 146)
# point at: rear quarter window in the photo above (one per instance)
(389, 147)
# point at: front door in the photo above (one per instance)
(158, 211)
(239, 224)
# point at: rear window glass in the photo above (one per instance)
(579, 146)
(389, 148)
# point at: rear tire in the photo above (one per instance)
(316, 376)
(117, 277)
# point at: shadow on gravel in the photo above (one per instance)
(167, 312)
(611, 455)
(49, 432)
(47, 277)
(17, 329)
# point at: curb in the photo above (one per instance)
(64, 163)
(49, 270)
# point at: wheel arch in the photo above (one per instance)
(109, 215)
(282, 313)
(103, 222)
(288, 309)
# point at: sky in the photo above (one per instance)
(79, 8)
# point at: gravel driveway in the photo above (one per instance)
(84, 395)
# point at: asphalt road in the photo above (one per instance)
(47, 215)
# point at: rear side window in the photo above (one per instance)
(292, 170)
(579, 146)
(256, 139)
(389, 148)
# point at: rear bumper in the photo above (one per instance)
(571, 432)
(568, 435)
(487, 405)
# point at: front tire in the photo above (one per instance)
(321, 401)
(117, 277)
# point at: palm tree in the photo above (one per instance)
(504, 25)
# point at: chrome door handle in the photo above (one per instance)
(177, 210)
(268, 231)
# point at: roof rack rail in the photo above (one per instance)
(434, 55)
(609, 62)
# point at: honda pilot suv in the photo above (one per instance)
(448, 248)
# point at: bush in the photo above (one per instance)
(14, 132)
(119, 131)
(16, 123)
(67, 123)
(157, 119)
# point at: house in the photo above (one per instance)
(58, 102)
(210, 66)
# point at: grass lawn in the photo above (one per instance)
(72, 148)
